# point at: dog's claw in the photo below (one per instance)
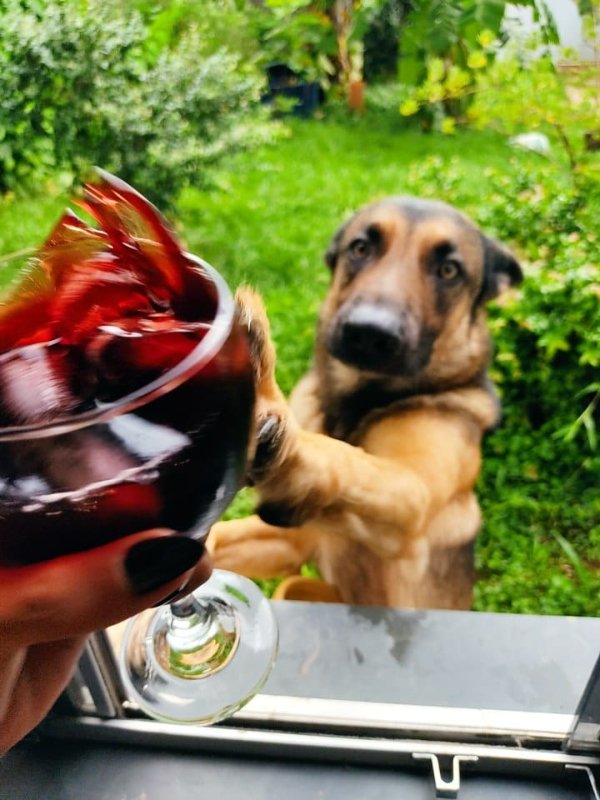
(281, 515)
(268, 442)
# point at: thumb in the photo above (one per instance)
(82, 592)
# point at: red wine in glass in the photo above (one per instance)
(174, 461)
(126, 403)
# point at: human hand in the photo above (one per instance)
(48, 609)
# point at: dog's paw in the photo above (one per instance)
(275, 427)
(270, 435)
(283, 515)
(253, 317)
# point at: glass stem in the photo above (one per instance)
(191, 620)
(184, 607)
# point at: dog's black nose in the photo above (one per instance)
(370, 336)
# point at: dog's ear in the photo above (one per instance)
(333, 251)
(500, 269)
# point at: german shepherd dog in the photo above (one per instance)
(369, 471)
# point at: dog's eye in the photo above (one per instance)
(359, 248)
(449, 269)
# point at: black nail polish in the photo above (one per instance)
(153, 562)
(171, 596)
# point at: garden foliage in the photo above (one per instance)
(162, 91)
(521, 92)
(539, 549)
(539, 487)
(79, 85)
(445, 45)
(321, 40)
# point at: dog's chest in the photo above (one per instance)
(336, 416)
(442, 580)
(354, 569)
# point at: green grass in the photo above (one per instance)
(267, 221)
(271, 217)
(24, 223)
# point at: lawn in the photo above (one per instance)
(267, 219)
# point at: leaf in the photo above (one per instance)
(433, 92)
(409, 107)
(571, 554)
(477, 60)
(448, 125)
(435, 70)
(456, 81)
(486, 38)
(590, 429)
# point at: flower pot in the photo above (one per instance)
(297, 587)
(356, 96)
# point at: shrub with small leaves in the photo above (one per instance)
(77, 88)
(58, 69)
(541, 468)
(522, 91)
(187, 113)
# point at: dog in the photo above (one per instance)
(369, 471)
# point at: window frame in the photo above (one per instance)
(480, 740)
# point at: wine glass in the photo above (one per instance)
(159, 414)
(203, 657)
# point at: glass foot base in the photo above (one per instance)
(204, 657)
(202, 638)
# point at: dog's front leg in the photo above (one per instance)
(382, 494)
(251, 547)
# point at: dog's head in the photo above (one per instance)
(410, 280)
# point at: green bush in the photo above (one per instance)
(381, 40)
(223, 21)
(77, 87)
(522, 91)
(539, 486)
(444, 46)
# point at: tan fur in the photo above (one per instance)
(386, 509)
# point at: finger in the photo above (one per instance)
(79, 593)
(44, 672)
(11, 664)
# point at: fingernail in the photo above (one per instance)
(153, 562)
(171, 596)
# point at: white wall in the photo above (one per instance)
(568, 22)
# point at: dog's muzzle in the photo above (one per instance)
(379, 338)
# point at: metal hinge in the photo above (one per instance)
(585, 734)
(590, 775)
(444, 788)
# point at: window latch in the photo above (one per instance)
(445, 788)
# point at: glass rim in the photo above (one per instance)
(203, 352)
